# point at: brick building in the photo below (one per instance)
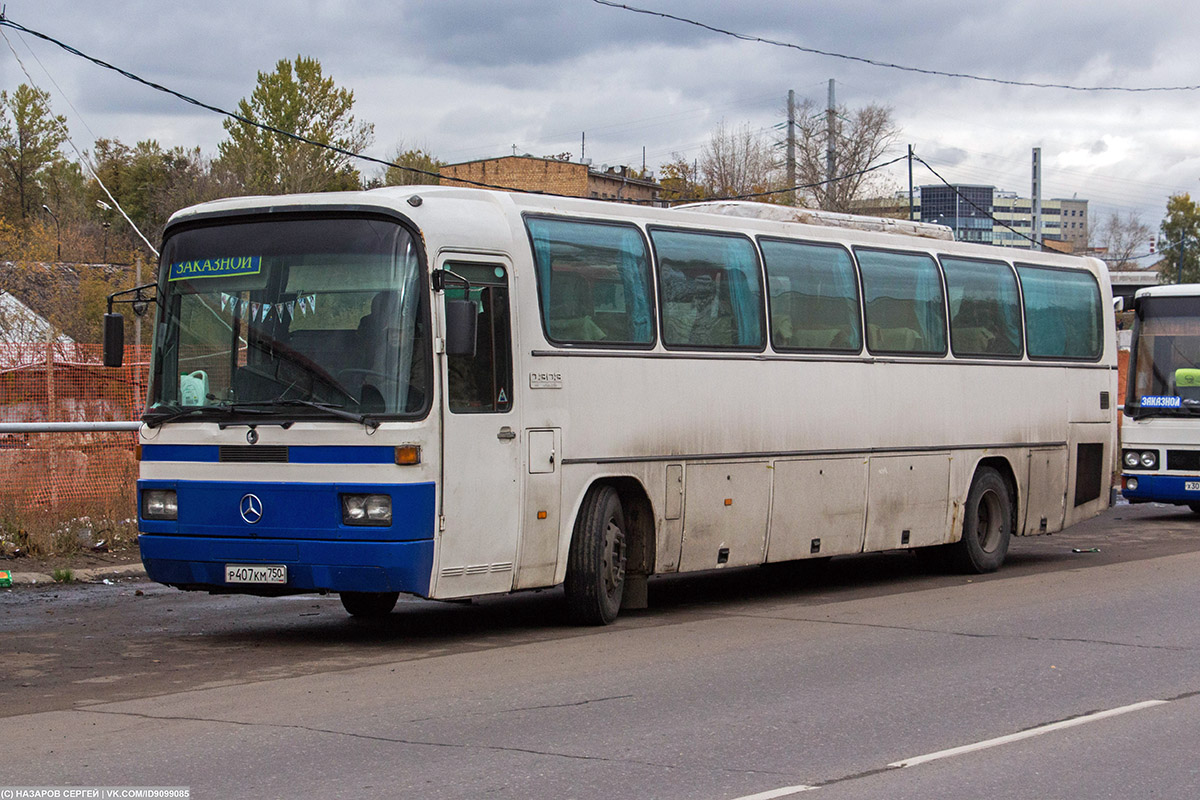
(551, 175)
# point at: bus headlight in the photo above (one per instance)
(160, 504)
(367, 509)
(1140, 459)
(1131, 484)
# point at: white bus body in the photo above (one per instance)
(631, 439)
(1160, 437)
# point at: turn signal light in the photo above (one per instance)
(408, 454)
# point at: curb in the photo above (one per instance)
(89, 575)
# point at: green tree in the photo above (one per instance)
(418, 159)
(297, 98)
(30, 138)
(680, 180)
(1180, 241)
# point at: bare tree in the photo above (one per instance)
(738, 161)
(860, 138)
(1124, 237)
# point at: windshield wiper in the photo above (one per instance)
(165, 414)
(260, 406)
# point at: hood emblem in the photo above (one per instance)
(251, 508)
(252, 435)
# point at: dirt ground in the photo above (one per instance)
(83, 559)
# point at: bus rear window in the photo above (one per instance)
(593, 282)
(1062, 313)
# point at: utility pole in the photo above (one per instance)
(910, 186)
(830, 128)
(583, 148)
(1037, 197)
(791, 147)
(1182, 244)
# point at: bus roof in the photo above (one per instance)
(452, 204)
(1173, 290)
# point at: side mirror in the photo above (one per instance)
(1118, 303)
(461, 328)
(114, 340)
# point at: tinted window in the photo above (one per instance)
(1062, 313)
(710, 289)
(985, 308)
(903, 303)
(593, 282)
(813, 294)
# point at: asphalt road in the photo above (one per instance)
(830, 681)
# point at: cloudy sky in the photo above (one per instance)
(469, 79)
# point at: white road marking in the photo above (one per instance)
(787, 791)
(1015, 737)
(781, 792)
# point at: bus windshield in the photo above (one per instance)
(1166, 358)
(291, 316)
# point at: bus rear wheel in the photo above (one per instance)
(369, 605)
(987, 524)
(595, 579)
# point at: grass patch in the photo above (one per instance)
(63, 576)
(67, 529)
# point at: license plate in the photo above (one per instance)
(255, 573)
(1191, 486)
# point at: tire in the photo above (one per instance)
(369, 605)
(987, 524)
(595, 579)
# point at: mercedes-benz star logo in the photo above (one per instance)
(252, 435)
(251, 508)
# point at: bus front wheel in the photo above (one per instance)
(987, 524)
(369, 605)
(596, 564)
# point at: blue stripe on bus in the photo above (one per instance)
(179, 452)
(297, 454)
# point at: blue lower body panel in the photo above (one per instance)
(1161, 489)
(297, 525)
(312, 565)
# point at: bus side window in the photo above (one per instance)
(1062, 313)
(593, 282)
(813, 297)
(711, 287)
(483, 383)
(903, 302)
(985, 307)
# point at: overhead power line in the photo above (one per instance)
(887, 65)
(78, 154)
(975, 206)
(5, 21)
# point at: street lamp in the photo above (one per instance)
(103, 206)
(57, 231)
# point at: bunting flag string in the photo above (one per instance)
(260, 312)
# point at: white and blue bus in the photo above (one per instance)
(1160, 437)
(450, 392)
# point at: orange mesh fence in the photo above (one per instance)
(71, 472)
